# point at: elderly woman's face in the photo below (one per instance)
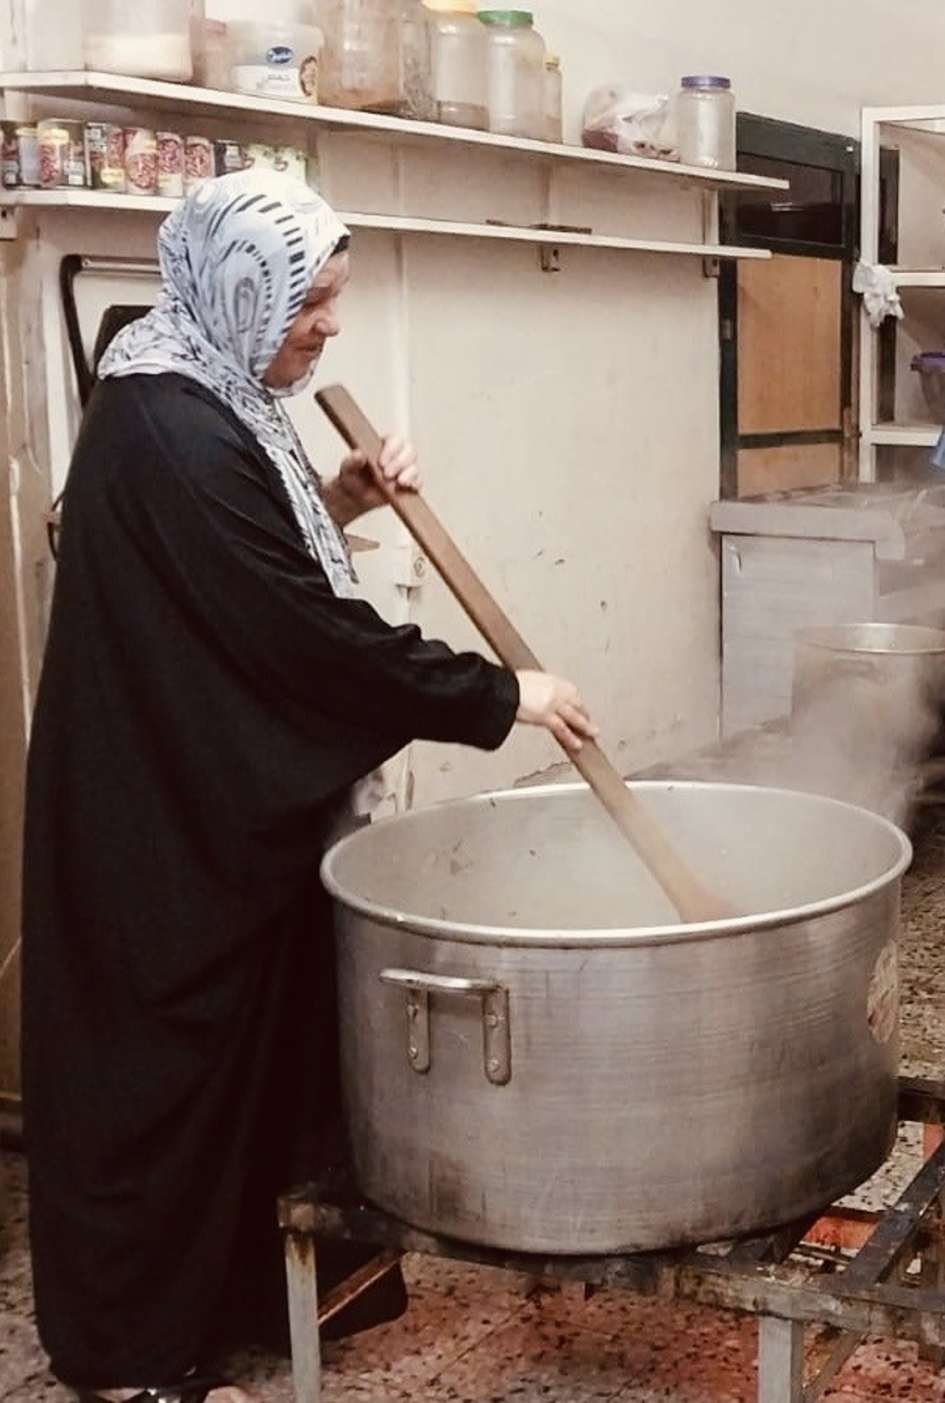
(315, 323)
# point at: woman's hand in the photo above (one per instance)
(354, 491)
(555, 704)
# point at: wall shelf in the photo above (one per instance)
(113, 89)
(403, 224)
(888, 435)
(919, 277)
(902, 436)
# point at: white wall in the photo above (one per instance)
(816, 62)
(568, 417)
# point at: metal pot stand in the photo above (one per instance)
(814, 1305)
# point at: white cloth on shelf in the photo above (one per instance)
(877, 285)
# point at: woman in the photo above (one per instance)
(210, 692)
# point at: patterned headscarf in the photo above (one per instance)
(238, 257)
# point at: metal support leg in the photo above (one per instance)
(303, 1316)
(933, 1276)
(780, 1361)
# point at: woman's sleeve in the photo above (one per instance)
(202, 510)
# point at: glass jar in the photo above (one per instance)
(361, 63)
(553, 99)
(459, 64)
(416, 63)
(140, 38)
(705, 123)
(516, 74)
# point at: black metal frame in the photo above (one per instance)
(753, 1277)
(798, 146)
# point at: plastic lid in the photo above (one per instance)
(706, 82)
(928, 358)
(516, 19)
(452, 7)
(552, 61)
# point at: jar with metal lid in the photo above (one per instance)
(361, 66)
(516, 73)
(553, 99)
(459, 64)
(705, 123)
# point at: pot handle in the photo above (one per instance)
(496, 1038)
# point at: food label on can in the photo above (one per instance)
(105, 152)
(10, 155)
(53, 142)
(141, 161)
(198, 161)
(170, 165)
(260, 157)
(289, 160)
(882, 1006)
(229, 157)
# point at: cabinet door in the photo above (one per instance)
(787, 325)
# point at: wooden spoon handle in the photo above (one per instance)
(692, 900)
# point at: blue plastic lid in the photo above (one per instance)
(706, 82)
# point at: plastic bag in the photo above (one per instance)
(616, 118)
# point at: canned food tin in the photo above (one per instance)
(141, 161)
(170, 165)
(10, 158)
(27, 146)
(61, 155)
(228, 157)
(260, 157)
(198, 161)
(290, 160)
(105, 153)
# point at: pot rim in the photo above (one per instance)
(467, 933)
(920, 641)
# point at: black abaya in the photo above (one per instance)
(205, 703)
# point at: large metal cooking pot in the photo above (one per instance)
(867, 711)
(882, 682)
(537, 1057)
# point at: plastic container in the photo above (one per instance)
(705, 123)
(553, 92)
(516, 73)
(931, 367)
(210, 45)
(272, 58)
(416, 62)
(460, 56)
(361, 66)
(141, 38)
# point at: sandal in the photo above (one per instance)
(191, 1390)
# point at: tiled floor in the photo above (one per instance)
(478, 1336)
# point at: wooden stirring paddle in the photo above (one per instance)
(694, 902)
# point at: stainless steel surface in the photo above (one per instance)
(669, 1084)
(876, 640)
(874, 694)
